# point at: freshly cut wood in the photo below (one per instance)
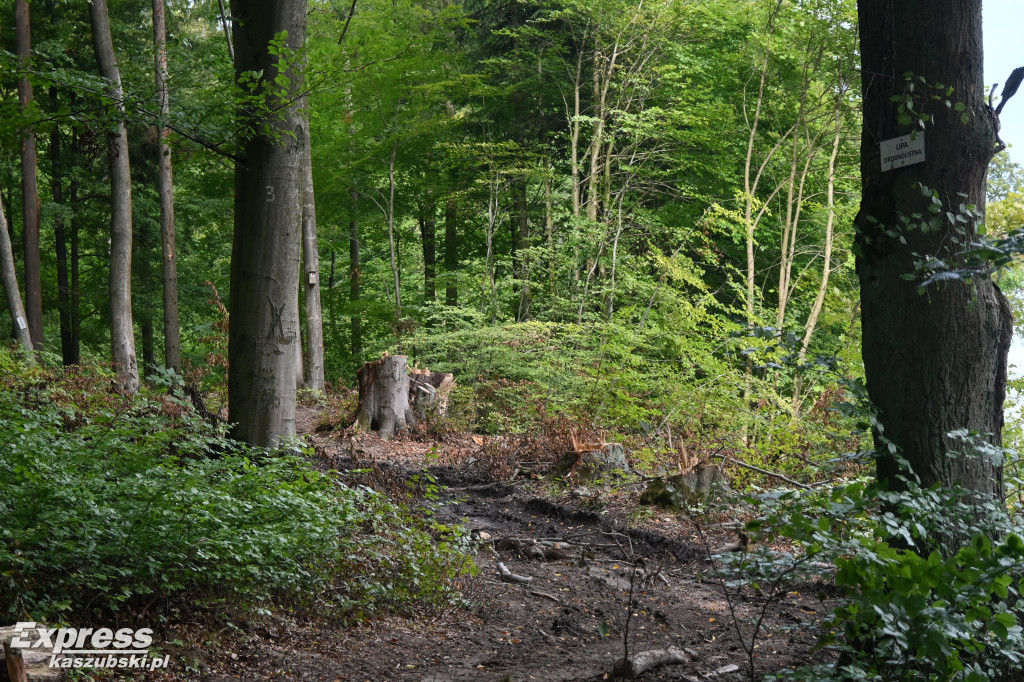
(638, 664)
(384, 397)
(28, 665)
(428, 392)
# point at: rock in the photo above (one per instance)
(591, 464)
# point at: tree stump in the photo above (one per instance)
(384, 396)
(428, 392)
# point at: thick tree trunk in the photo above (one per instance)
(10, 282)
(934, 362)
(122, 338)
(165, 186)
(384, 396)
(268, 224)
(29, 184)
(451, 252)
(311, 281)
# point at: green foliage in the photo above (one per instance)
(113, 503)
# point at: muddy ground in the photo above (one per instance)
(571, 621)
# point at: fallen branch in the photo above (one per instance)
(545, 595)
(510, 577)
(638, 664)
(772, 474)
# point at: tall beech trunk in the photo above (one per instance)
(69, 354)
(29, 183)
(10, 282)
(165, 187)
(355, 274)
(264, 328)
(521, 239)
(122, 338)
(311, 280)
(934, 362)
(451, 252)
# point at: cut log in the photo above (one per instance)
(637, 664)
(384, 397)
(32, 664)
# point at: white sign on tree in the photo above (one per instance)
(902, 151)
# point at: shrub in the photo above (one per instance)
(113, 503)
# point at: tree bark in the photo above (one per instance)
(451, 252)
(69, 355)
(10, 282)
(29, 183)
(355, 274)
(165, 187)
(934, 362)
(311, 266)
(122, 338)
(268, 224)
(521, 239)
(384, 396)
(428, 238)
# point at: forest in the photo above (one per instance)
(723, 385)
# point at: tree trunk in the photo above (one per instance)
(451, 252)
(384, 396)
(122, 338)
(355, 274)
(826, 267)
(60, 242)
(165, 187)
(75, 264)
(268, 225)
(392, 244)
(311, 281)
(428, 237)
(10, 282)
(521, 237)
(29, 184)
(934, 362)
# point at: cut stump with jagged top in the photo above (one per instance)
(384, 396)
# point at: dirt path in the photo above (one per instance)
(568, 623)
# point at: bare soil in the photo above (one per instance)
(573, 619)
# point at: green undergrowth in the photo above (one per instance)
(135, 504)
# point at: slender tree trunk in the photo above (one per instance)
(225, 23)
(29, 185)
(10, 282)
(574, 160)
(122, 335)
(428, 238)
(311, 265)
(520, 242)
(392, 244)
(75, 263)
(934, 363)
(268, 231)
(68, 355)
(826, 268)
(165, 187)
(549, 234)
(451, 252)
(355, 275)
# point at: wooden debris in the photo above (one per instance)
(510, 577)
(545, 595)
(638, 664)
(28, 665)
